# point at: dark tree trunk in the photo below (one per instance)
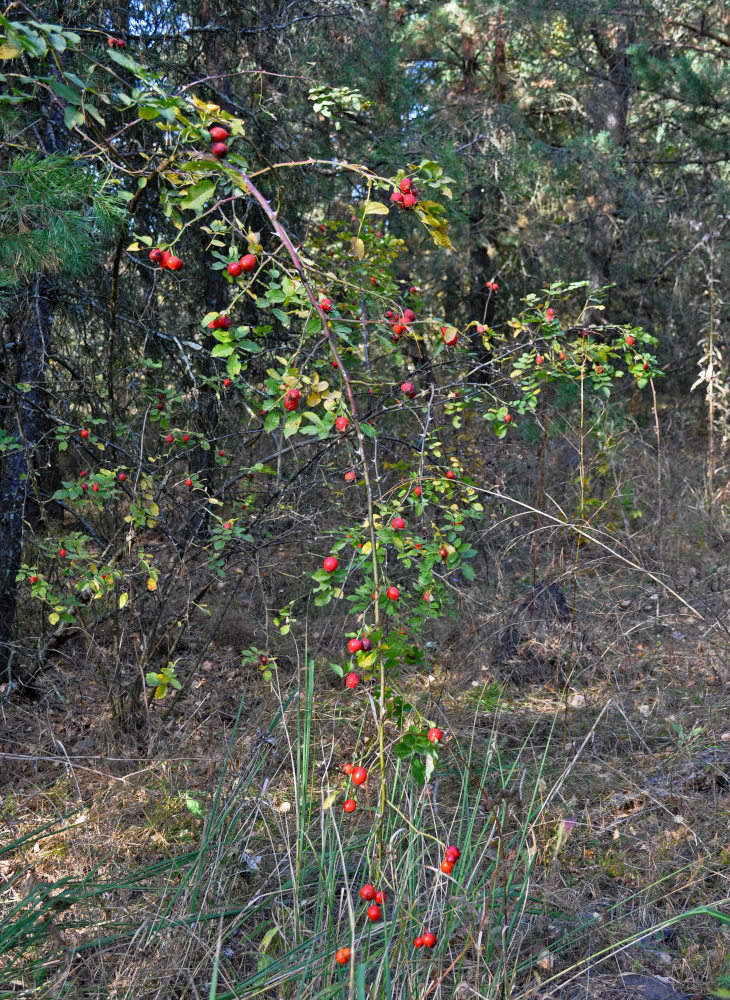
(26, 341)
(609, 114)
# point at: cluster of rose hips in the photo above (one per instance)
(401, 324)
(220, 323)
(246, 264)
(376, 898)
(357, 775)
(428, 939)
(407, 196)
(355, 645)
(492, 286)
(116, 43)
(452, 856)
(342, 956)
(166, 260)
(218, 136)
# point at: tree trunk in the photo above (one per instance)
(26, 341)
(609, 114)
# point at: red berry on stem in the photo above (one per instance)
(450, 474)
(188, 483)
(156, 255)
(507, 418)
(409, 200)
(326, 305)
(444, 552)
(429, 939)
(348, 768)
(359, 775)
(349, 805)
(367, 893)
(170, 438)
(218, 134)
(380, 897)
(62, 553)
(330, 564)
(418, 942)
(291, 400)
(374, 913)
(447, 867)
(33, 579)
(350, 476)
(174, 263)
(434, 735)
(84, 433)
(219, 149)
(393, 593)
(248, 262)
(453, 851)
(235, 268)
(354, 645)
(342, 423)
(397, 198)
(398, 524)
(405, 185)
(352, 680)
(122, 476)
(367, 644)
(408, 390)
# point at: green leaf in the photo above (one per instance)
(198, 194)
(418, 770)
(148, 112)
(194, 806)
(468, 570)
(222, 351)
(272, 421)
(72, 117)
(251, 346)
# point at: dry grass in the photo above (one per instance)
(608, 754)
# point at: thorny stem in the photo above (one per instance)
(296, 261)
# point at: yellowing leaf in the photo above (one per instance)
(367, 548)
(357, 248)
(151, 584)
(123, 598)
(154, 510)
(53, 618)
(133, 246)
(8, 51)
(375, 208)
(330, 800)
(314, 399)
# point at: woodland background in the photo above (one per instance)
(171, 805)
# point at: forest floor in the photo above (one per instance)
(606, 749)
